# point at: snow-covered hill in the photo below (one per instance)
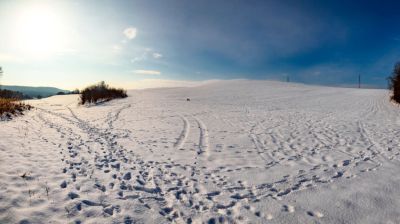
(237, 152)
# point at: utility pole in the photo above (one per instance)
(359, 81)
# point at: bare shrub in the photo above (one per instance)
(100, 92)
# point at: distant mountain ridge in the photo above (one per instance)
(34, 92)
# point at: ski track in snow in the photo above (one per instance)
(221, 157)
(203, 138)
(183, 136)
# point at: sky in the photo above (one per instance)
(70, 44)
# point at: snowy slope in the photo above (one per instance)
(238, 152)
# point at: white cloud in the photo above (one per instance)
(139, 58)
(130, 32)
(147, 53)
(147, 72)
(157, 55)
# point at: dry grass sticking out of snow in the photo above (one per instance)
(11, 107)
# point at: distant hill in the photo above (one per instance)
(34, 92)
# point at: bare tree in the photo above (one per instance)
(394, 84)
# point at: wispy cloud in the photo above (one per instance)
(147, 53)
(136, 59)
(147, 72)
(157, 55)
(130, 33)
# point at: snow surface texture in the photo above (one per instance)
(237, 152)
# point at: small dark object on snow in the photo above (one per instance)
(187, 99)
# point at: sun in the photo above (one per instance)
(40, 31)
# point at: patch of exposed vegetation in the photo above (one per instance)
(12, 107)
(100, 92)
(10, 104)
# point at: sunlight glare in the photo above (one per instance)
(40, 31)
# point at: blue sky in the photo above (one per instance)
(73, 43)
